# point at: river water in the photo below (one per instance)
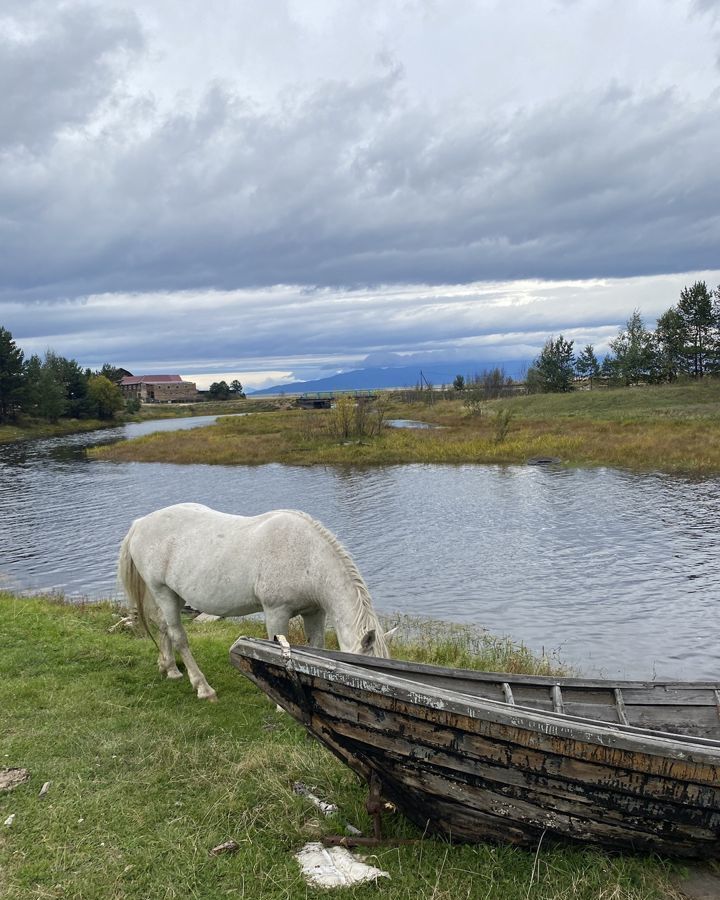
(617, 572)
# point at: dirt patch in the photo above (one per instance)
(12, 778)
(699, 884)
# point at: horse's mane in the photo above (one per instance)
(365, 616)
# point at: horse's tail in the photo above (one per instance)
(135, 587)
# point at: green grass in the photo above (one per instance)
(27, 429)
(686, 401)
(669, 428)
(146, 779)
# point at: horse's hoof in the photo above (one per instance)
(174, 676)
(210, 696)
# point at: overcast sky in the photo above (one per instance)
(280, 190)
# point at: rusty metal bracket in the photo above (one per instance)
(346, 840)
(376, 806)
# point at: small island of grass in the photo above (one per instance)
(667, 428)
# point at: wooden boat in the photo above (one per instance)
(512, 758)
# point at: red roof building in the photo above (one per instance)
(158, 389)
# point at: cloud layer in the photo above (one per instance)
(280, 334)
(153, 159)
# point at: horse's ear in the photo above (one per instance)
(367, 644)
(389, 635)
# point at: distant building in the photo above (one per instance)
(158, 388)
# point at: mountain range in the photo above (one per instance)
(375, 377)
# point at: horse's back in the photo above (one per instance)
(180, 517)
(210, 558)
(190, 548)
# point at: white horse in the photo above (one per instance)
(282, 563)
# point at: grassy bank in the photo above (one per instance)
(206, 408)
(27, 429)
(671, 428)
(146, 779)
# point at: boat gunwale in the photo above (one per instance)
(631, 738)
(402, 665)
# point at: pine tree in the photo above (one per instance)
(11, 376)
(702, 324)
(634, 349)
(554, 369)
(44, 395)
(586, 365)
(671, 339)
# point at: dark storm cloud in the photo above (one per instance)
(349, 183)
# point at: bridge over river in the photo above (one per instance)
(325, 399)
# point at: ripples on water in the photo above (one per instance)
(618, 572)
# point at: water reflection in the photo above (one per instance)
(410, 423)
(620, 572)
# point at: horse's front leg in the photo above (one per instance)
(314, 625)
(277, 621)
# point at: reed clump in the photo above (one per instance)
(467, 646)
(145, 780)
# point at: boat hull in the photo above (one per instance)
(474, 769)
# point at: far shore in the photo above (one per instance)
(664, 428)
(27, 429)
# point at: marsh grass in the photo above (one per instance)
(465, 646)
(146, 779)
(662, 428)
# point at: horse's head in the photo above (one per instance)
(374, 645)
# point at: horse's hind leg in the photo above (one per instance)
(314, 625)
(166, 659)
(170, 605)
(166, 655)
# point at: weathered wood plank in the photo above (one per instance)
(595, 805)
(479, 750)
(556, 818)
(535, 821)
(544, 739)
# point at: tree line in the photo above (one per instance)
(53, 387)
(221, 390)
(685, 343)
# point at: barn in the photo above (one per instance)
(158, 389)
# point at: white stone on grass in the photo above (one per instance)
(329, 867)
